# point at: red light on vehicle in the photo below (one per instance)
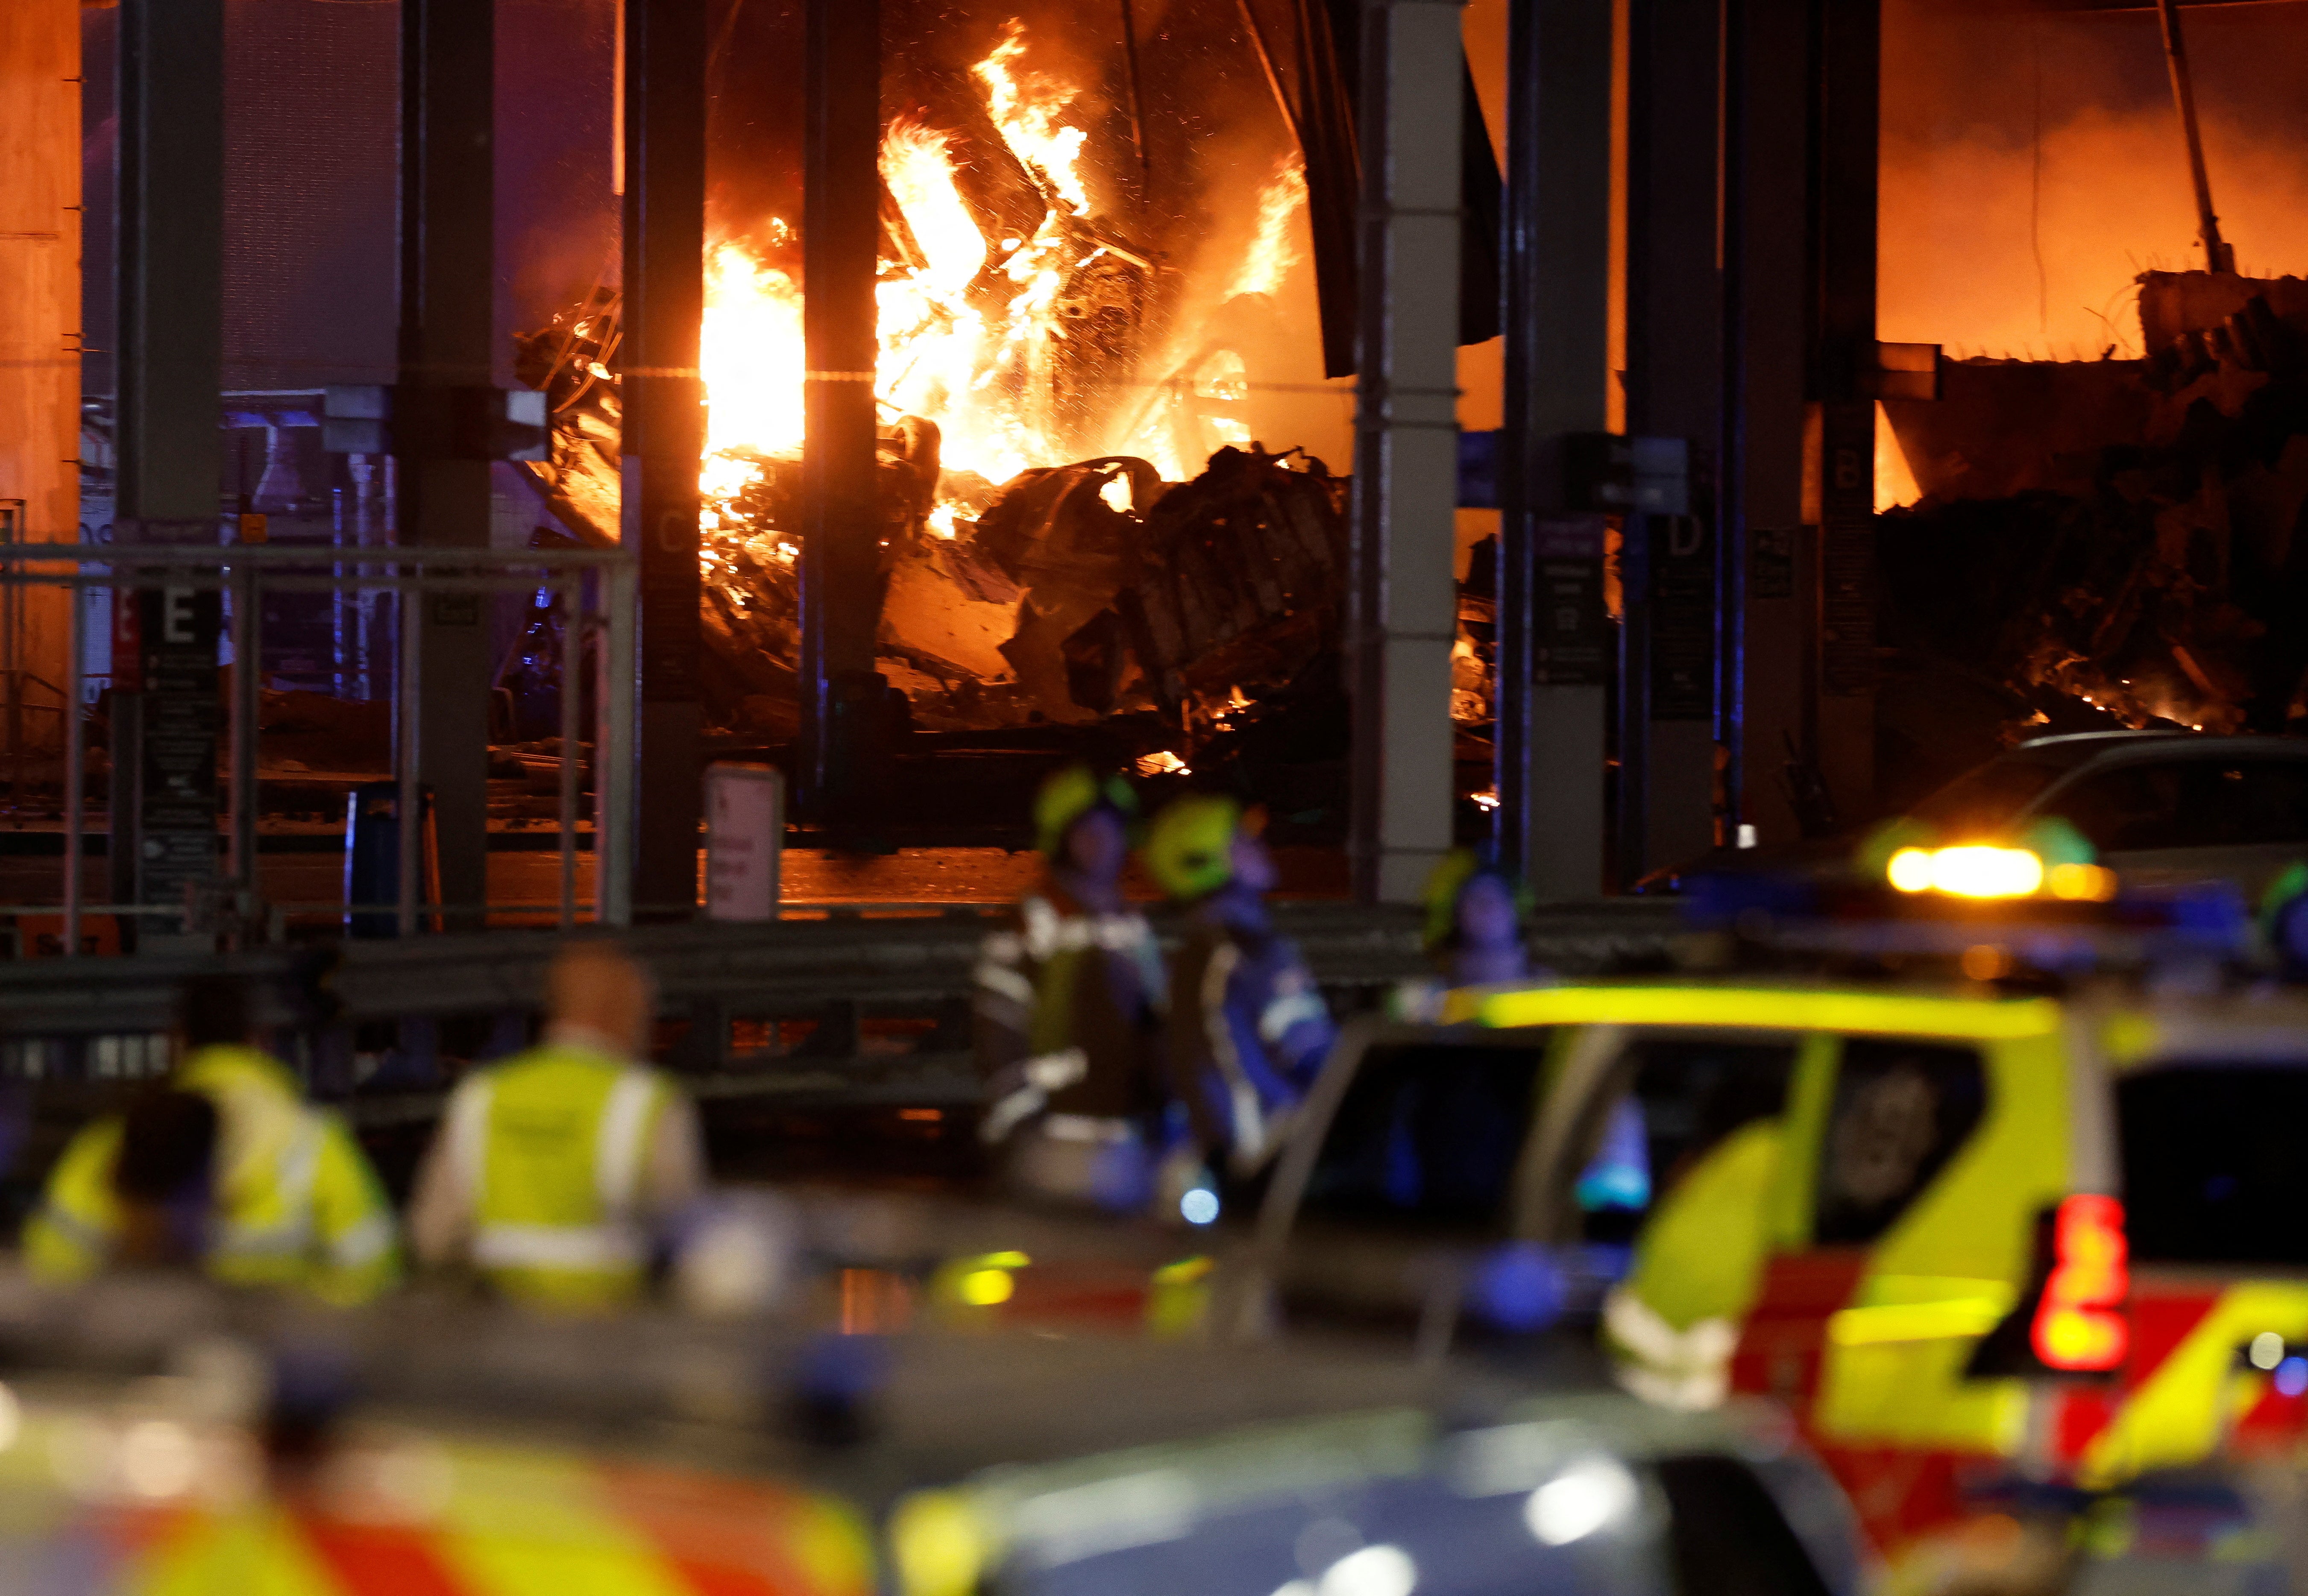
(2079, 1324)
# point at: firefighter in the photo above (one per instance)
(556, 1175)
(1069, 1011)
(1473, 934)
(1248, 1027)
(222, 1167)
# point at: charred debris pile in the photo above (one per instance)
(1180, 627)
(2104, 544)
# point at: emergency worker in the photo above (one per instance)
(2284, 920)
(1068, 1010)
(1473, 934)
(556, 1174)
(1248, 1027)
(223, 1167)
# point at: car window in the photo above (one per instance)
(1727, 1536)
(2216, 1164)
(1901, 1110)
(1689, 1094)
(2189, 803)
(1428, 1133)
(1985, 800)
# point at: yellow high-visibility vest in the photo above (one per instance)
(549, 1148)
(294, 1201)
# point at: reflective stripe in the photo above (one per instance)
(624, 1126)
(1291, 1010)
(1248, 1119)
(1044, 1073)
(468, 1135)
(79, 1232)
(556, 1246)
(1686, 1369)
(1009, 982)
(293, 1180)
(1771, 1008)
(364, 1243)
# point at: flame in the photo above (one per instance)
(1026, 109)
(1274, 250)
(971, 326)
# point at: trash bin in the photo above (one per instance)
(373, 858)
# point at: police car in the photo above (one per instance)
(1972, 1220)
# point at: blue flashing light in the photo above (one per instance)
(1198, 1206)
(2292, 1376)
(1519, 1287)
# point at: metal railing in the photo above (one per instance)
(246, 573)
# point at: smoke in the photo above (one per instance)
(2033, 166)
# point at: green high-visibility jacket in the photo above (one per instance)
(549, 1149)
(294, 1202)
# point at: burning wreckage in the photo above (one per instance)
(2103, 543)
(1042, 563)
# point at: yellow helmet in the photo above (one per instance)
(1191, 851)
(1448, 881)
(1071, 794)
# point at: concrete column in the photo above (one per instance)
(1843, 467)
(1553, 638)
(1674, 390)
(1759, 475)
(841, 520)
(1405, 600)
(169, 277)
(448, 286)
(665, 432)
(39, 343)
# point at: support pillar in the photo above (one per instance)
(1842, 469)
(1760, 474)
(1674, 392)
(1405, 601)
(665, 434)
(448, 288)
(1553, 638)
(170, 281)
(40, 350)
(841, 520)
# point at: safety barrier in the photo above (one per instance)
(595, 587)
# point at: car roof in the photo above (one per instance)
(1764, 1004)
(2080, 748)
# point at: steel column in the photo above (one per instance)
(1674, 390)
(1553, 638)
(169, 279)
(448, 288)
(841, 520)
(1759, 475)
(664, 87)
(1842, 739)
(1405, 601)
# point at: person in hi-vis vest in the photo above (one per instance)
(222, 1167)
(556, 1174)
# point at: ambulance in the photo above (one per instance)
(2001, 1192)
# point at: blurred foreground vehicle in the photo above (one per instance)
(2158, 806)
(2008, 1207)
(159, 1437)
(1594, 1496)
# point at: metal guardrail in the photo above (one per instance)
(247, 571)
(858, 1003)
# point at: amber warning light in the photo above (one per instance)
(2080, 1326)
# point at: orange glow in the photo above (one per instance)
(2078, 1325)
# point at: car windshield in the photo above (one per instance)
(1429, 1133)
(1985, 800)
(2214, 1171)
